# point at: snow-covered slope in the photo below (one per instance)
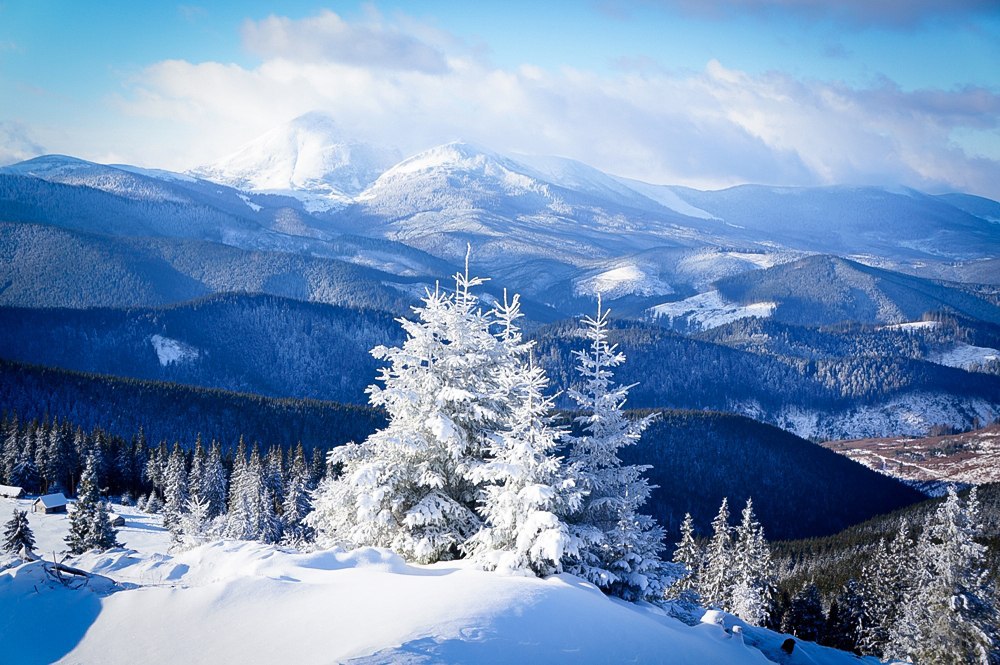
(239, 602)
(309, 158)
(708, 310)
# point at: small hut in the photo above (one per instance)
(50, 503)
(11, 492)
(116, 519)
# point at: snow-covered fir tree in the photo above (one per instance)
(297, 500)
(715, 581)
(688, 554)
(409, 486)
(199, 459)
(526, 494)
(883, 585)
(17, 534)
(175, 490)
(89, 526)
(251, 505)
(751, 574)
(195, 523)
(212, 486)
(274, 476)
(620, 546)
(949, 612)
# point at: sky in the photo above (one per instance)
(703, 93)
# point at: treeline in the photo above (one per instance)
(682, 372)
(797, 486)
(925, 593)
(50, 455)
(253, 343)
(175, 413)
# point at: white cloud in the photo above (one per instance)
(709, 128)
(16, 143)
(327, 37)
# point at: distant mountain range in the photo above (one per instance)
(307, 213)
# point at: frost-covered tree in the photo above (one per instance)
(195, 523)
(274, 476)
(715, 583)
(883, 585)
(199, 459)
(689, 555)
(750, 594)
(17, 533)
(409, 486)
(212, 485)
(175, 490)
(526, 494)
(297, 500)
(251, 504)
(949, 613)
(89, 526)
(620, 546)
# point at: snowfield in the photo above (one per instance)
(243, 602)
(709, 310)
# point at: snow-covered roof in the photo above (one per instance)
(52, 500)
(10, 490)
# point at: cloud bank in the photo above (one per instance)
(710, 128)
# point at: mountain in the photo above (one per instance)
(930, 463)
(46, 266)
(823, 290)
(249, 343)
(308, 158)
(905, 224)
(835, 391)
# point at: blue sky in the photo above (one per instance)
(708, 94)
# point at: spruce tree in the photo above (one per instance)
(526, 495)
(715, 582)
(409, 485)
(89, 526)
(212, 486)
(175, 489)
(297, 501)
(689, 555)
(751, 570)
(949, 614)
(17, 533)
(844, 619)
(805, 618)
(620, 546)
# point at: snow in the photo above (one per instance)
(231, 601)
(912, 325)
(964, 356)
(171, 351)
(52, 500)
(667, 197)
(909, 414)
(709, 310)
(308, 158)
(628, 279)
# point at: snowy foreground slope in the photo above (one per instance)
(239, 602)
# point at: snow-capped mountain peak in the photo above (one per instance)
(308, 157)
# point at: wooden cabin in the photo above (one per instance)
(11, 492)
(50, 503)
